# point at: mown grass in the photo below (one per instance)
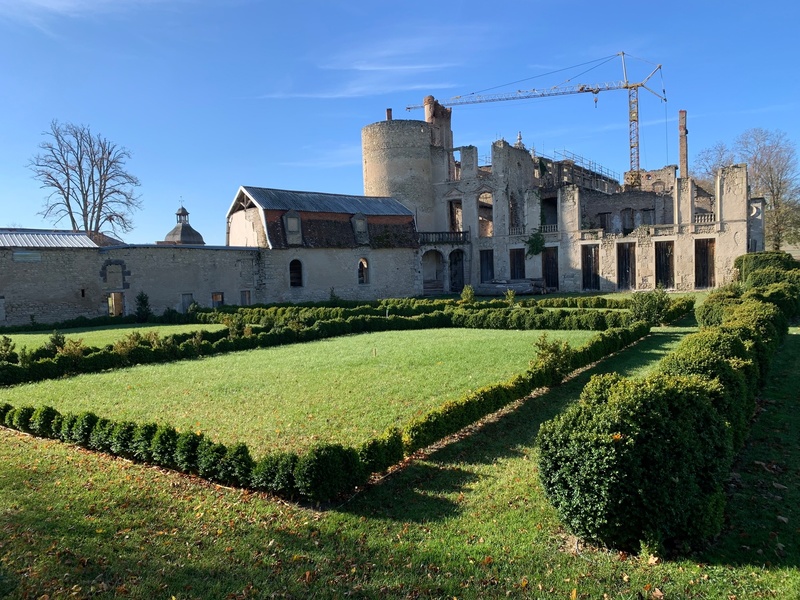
(468, 521)
(343, 390)
(102, 336)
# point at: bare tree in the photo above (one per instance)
(773, 172)
(87, 179)
(710, 160)
(772, 165)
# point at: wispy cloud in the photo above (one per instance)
(383, 65)
(37, 12)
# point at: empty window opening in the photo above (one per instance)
(516, 259)
(363, 271)
(550, 267)
(116, 304)
(515, 221)
(485, 215)
(456, 216)
(549, 214)
(704, 263)
(217, 299)
(590, 267)
(295, 273)
(455, 166)
(83, 293)
(626, 266)
(627, 221)
(457, 271)
(487, 265)
(665, 264)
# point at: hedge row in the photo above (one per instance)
(644, 461)
(325, 471)
(61, 359)
(321, 473)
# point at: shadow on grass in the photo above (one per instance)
(417, 485)
(764, 496)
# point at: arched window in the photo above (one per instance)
(296, 273)
(363, 271)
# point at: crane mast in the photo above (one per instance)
(634, 177)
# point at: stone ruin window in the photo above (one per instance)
(295, 273)
(363, 271)
(244, 298)
(486, 215)
(217, 299)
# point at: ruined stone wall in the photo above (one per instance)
(48, 285)
(52, 285)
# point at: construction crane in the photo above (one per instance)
(634, 176)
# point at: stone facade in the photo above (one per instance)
(474, 220)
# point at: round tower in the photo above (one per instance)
(397, 163)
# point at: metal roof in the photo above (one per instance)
(43, 238)
(272, 199)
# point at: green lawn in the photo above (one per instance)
(343, 390)
(102, 336)
(468, 521)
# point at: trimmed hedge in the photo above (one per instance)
(625, 464)
(645, 461)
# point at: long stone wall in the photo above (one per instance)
(50, 285)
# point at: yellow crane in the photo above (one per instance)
(634, 176)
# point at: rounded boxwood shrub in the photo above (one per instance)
(67, 422)
(327, 471)
(42, 421)
(275, 473)
(22, 418)
(122, 438)
(186, 451)
(209, 457)
(5, 408)
(163, 446)
(236, 466)
(625, 466)
(8, 418)
(101, 436)
(82, 428)
(141, 443)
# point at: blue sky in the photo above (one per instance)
(209, 95)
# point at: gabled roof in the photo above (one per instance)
(43, 238)
(272, 199)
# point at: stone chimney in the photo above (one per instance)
(682, 145)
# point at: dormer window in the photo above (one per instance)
(292, 227)
(360, 228)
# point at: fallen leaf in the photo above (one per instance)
(783, 519)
